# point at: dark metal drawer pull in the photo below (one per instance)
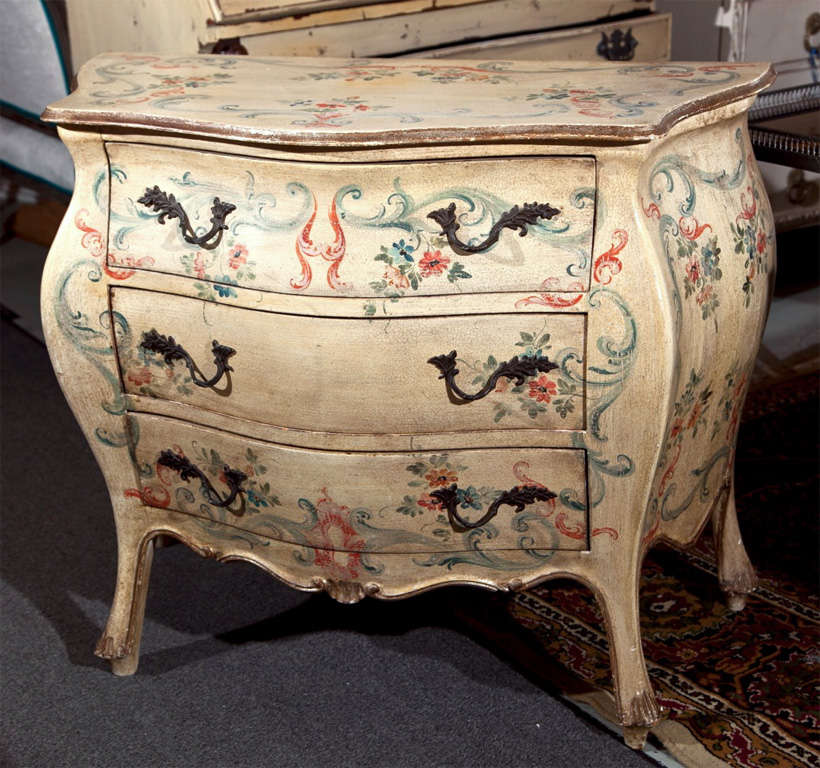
(619, 46)
(518, 497)
(152, 341)
(187, 471)
(517, 368)
(170, 208)
(516, 218)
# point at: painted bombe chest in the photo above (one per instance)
(383, 326)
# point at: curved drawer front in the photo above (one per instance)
(352, 229)
(366, 502)
(354, 375)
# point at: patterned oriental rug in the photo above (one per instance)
(742, 689)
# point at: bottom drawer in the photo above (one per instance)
(448, 501)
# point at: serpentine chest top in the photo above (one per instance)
(380, 326)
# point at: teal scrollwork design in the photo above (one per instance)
(599, 468)
(125, 80)
(598, 101)
(604, 380)
(93, 339)
(686, 76)
(255, 210)
(700, 489)
(671, 165)
(684, 239)
(346, 540)
(479, 210)
(491, 559)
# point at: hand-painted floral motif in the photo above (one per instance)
(701, 265)
(699, 254)
(692, 250)
(200, 264)
(336, 97)
(691, 416)
(491, 74)
(343, 540)
(602, 388)
(218, 272)
(146, 373)
(596, 102)
(729, 406)
(352, 73)
(257, 490)
(688, 415)
(536, 396)
(142, 79)
(337, 113)
(435, 473)
(403, 272)
(751, 240)
(487, 74)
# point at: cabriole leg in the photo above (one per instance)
(638, 710)
(120, 642)
(735, 573)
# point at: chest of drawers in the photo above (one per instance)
(379, 327)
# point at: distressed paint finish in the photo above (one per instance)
(717, 233)
(405, 101)
(386, 507)
(653, 347)
(352, 377)
(354, 230)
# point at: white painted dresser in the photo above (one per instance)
(383, 326)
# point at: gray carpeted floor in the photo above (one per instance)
(236, 669)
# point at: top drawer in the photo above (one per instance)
(352, 229)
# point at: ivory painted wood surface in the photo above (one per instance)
(318, 28)
(336, 477)
(355, 229)
(246, 10)
(368, 503)
(343, 382)
(314, 102)
(641, 39)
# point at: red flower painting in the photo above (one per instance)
(542, 389)
(433, 263)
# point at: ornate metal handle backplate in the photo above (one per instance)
(516, 218)
(517, 368)
(619, 46)
(170, 208)
(153, 341)
(518, 497)
(187, 471)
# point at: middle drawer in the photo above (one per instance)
(354, 375)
